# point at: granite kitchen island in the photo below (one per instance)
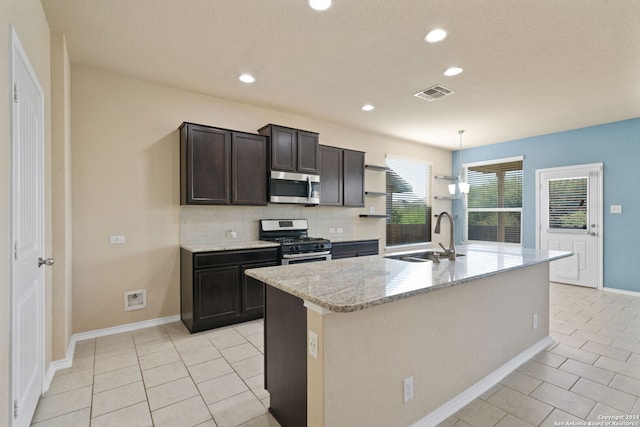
(454, 328)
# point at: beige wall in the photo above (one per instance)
(125, 181)
(61, 195)
(31, 26)
(365, 355)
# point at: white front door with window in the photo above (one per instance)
(569, 218)
(27, 225)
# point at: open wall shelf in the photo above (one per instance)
(372, 216)
(376, 168)
(375, 193)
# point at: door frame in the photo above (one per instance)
(600, 210)
(17, 50)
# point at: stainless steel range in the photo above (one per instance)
(295, 244)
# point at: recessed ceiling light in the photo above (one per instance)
(246, 78)
(367, 107)
(452, 71)
(435, 36)
(320, 4)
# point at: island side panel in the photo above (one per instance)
(447, 340)
(285, 359)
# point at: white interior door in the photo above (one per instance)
(570, 219)
(27, 225)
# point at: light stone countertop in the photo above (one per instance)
(229, 246)
(252, 244)
(353, 284)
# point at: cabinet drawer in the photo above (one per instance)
(353, 249)
(209, 259)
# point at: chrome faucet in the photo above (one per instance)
(451, 252)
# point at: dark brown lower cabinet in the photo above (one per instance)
(214, 291)
(285, 357)
(354, 248)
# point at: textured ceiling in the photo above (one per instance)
(530, 67)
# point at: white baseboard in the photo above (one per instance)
(463, 399)
(622, 291)
(57, 365)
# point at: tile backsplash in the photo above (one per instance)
(208, 224)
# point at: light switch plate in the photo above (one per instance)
(615, 209)
(116, 240)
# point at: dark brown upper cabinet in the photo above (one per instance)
(248, 169)
(353, 167)
(292, 150)
(341, 177)
(331, 176)
(222, 167)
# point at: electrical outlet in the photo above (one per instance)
(332, 230)
(372, 209)
(231, 234)
(313, 344)
(535, 321)
(408, 389)
(339, 230)
(116, 240)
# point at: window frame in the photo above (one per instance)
(465, 171)
(428, 200)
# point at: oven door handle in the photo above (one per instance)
(308, 187)
(306, 255)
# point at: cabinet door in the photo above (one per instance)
(353, 163)
(217, 295)
(330, 176)
(253, 292)
(206, 165)
(283, 149)
(308, 152)
(248, 169)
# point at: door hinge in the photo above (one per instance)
(15, 408)
(16, 95)
(15, 251)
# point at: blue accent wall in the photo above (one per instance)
(617, 146)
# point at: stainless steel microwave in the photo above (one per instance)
(290, 187)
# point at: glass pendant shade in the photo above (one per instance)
(464, 187)
(452, 189)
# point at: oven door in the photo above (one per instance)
(289, 259)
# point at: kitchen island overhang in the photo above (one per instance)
(456, 327)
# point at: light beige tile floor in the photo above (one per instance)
(164, 376)
(592, 370)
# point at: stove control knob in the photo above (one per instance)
(296, 248)
(317, 246)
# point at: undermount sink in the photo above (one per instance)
(423, 256)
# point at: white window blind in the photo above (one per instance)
(494, 204)
(568, 203)
(408, 194)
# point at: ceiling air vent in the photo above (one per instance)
(434, 92)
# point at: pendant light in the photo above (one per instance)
(462, 187)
